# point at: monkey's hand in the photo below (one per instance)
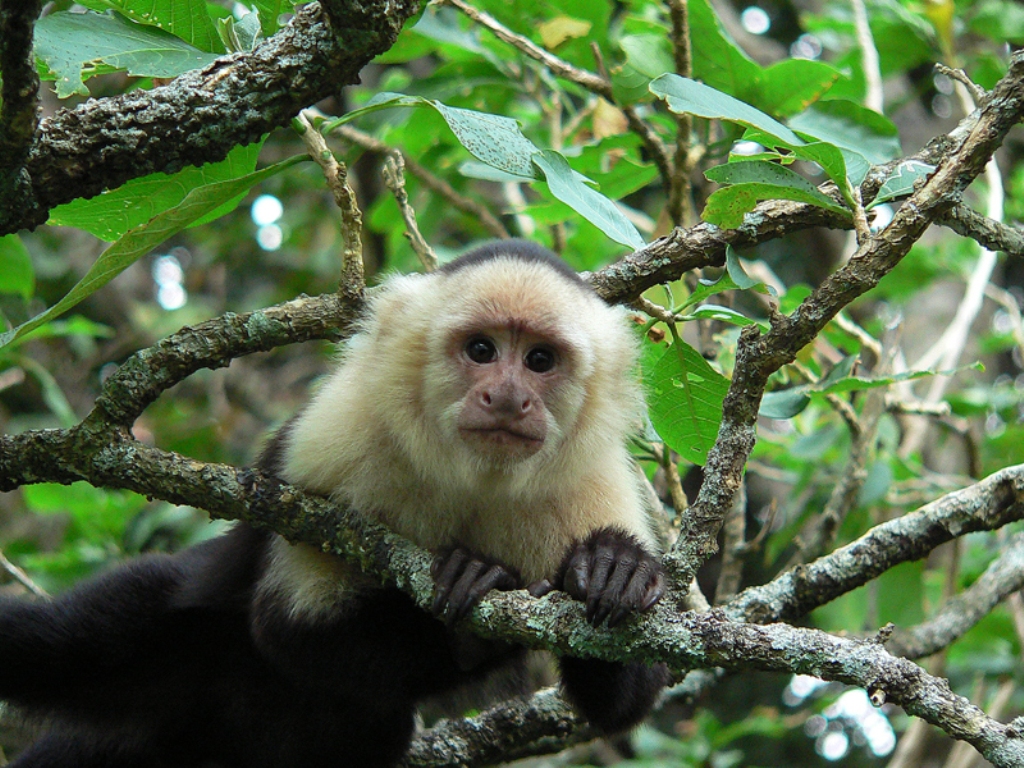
(612, 573)
(462, 579)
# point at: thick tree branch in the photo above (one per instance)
(202, 114)
(20, 107)
(213, 344)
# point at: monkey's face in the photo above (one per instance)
(508, 375)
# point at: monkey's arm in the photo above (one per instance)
(614, 576)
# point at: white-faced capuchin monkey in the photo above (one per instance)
(482, 411)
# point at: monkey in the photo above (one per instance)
(482, 411)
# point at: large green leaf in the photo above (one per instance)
(71, 45)
(686, 397)
(187, 19)
(851, 126)
(684, 95)
(112, 213)
(492, 139)
(567, 186)
(791, 85)
(139, 241)
(717, 60)
(647, 57)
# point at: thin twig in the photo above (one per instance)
(680, 203)
(353, 283)
(21, 577)
(394, 177)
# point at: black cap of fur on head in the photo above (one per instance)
(523, 250)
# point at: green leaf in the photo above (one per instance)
(739, 276)
(1000, 20)
(568, 187)
(686, 396)
(860, 383)
(647, 57)
(724, 315)
(784, 404)
(901, 180)
(851, 126)
(139, 241)
(474, 169)
(112, 213)
(493, 139)
(16, 273)
(726, 207)
(72, 44)
(717, 60)
(755, 180)
(498, 142)
(705, 289)
(792, 85)
(442, 24)
(240, 35)
(186, 19)
(690, 97)
(270, 11)
(75, 325)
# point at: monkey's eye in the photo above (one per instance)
(481, 350)
(540, 359)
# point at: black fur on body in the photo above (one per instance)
(200, 659)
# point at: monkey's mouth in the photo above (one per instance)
(504, 438)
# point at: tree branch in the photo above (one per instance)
(514, 729)
(19, 110)
(994, 235)
(987, 505)
(1003, 577)
(201, 115)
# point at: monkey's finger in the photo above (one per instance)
(494, 577)
(577, 575)
(643, 589)
(446, 570)
(540, 588)
(464, 594)
(654, 591)
(618, 599)
(602, 563)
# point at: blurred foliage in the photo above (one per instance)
(191, 246)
